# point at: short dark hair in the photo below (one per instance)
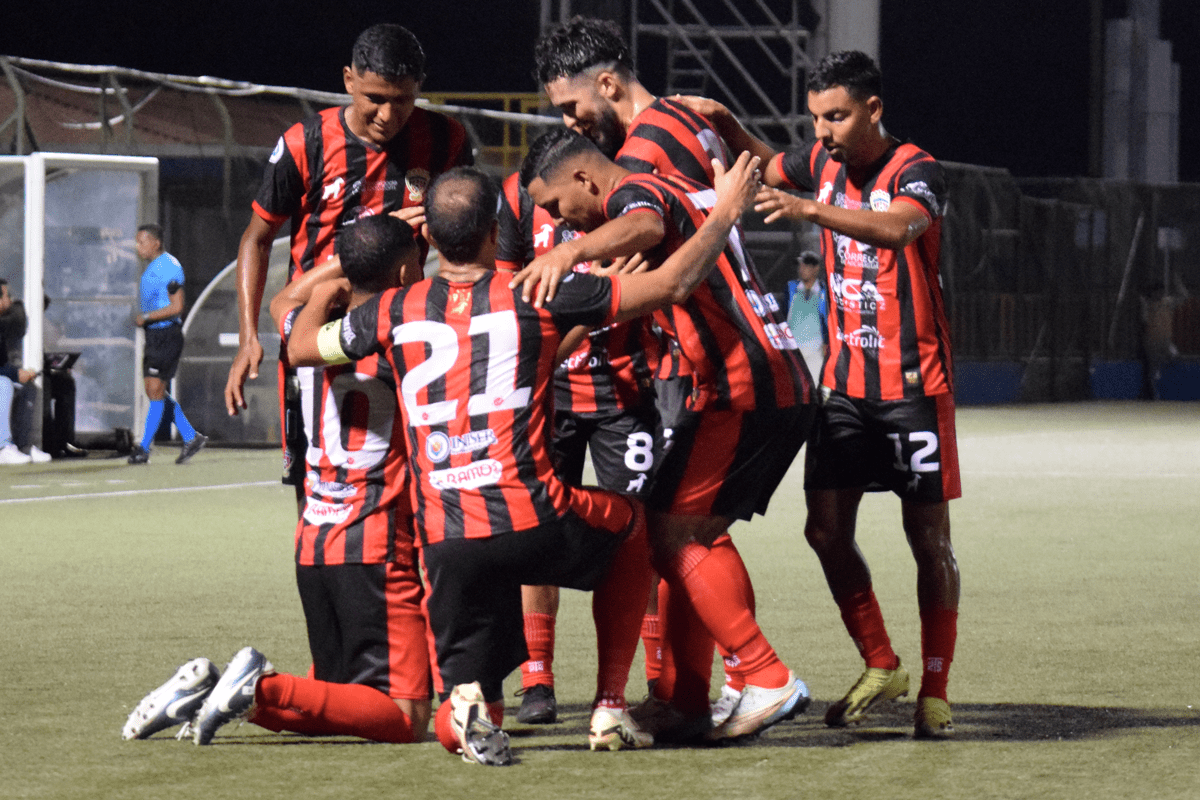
(550, 150)
(390, 51)
(460, 209)
(853, 70)
(370, 248)
(153, 229)
(579, 44)
(809, 257)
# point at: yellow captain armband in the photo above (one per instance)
(329, 343)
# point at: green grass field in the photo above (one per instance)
(1079, 634)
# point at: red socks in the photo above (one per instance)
(288, 703)
(539, 639)
(652, 645)
(939, 632)
(716, 583)
(864, 622)
(618, 606)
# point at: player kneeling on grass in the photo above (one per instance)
(354, 550)
(475, 363)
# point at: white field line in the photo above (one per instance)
(135, 492)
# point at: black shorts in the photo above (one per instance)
(164, 346)
(366, 626)
(724, 463)
(903, 446)
(622, 446)
(474, 599)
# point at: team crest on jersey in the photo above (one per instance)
(912, 377)
(277, 153)
(880, 200)
(437, 447)
(416, 181)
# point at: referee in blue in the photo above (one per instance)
(161, 315)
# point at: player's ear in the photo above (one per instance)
(609, 86)
(425, 235)
(875, 107)
(348, 79)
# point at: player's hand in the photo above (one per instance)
(245, 365)
(139, 321)
(26, 375)
(778, 204)
(738, 186)
(541, 276)
(413, 215)
(625, 265)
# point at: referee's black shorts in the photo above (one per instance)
(164, 346)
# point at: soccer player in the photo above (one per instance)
(374, 156)
(586, 70)
(727, 442)
(887, 422)
(602, 403)
(354, 553)
(475, 362)
(161, 308)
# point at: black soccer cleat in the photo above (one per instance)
(538, 706)
(139, 455)
(191, 448)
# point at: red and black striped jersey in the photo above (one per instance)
(668, 138)
(607, 371)
(475, 363)
(356, 501)
(888, 334)
(731, 335)
(321, 176)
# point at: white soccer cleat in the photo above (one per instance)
(758, 709)
(173, 703)
(37, 455)
(614, 729)
(481, 741)
(10, 454)
(233, 696)
(724, 705)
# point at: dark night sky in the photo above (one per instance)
(1001, 84)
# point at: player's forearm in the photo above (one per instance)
(253, 259)
(624, 236)
(890, 230)
(300, 290)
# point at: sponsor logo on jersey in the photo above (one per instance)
(469, 476)
(852, 294)
(841, 201)
(756, 302)
(825, 193)
(357, 213)
(880, 200)
(319, 512)
(333, 190)
(416, 181)
(277, 153)
(376, 186)
(772, 303)
(866, 337)
(853, 253)
(439, 446)
(544, 238)
(329, 489)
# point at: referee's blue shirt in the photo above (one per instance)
(162, 278)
